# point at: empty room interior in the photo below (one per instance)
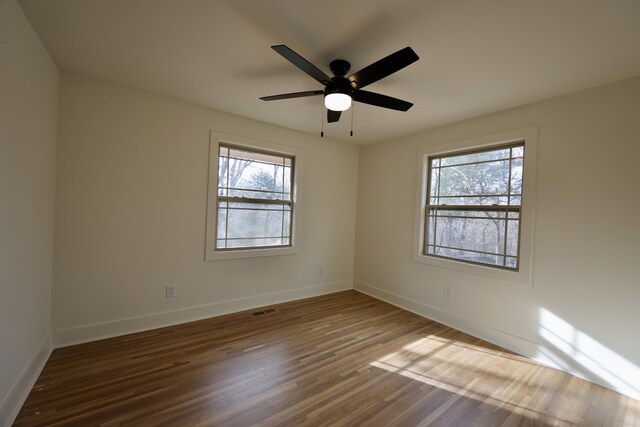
(245, 212)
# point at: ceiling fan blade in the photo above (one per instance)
(333, 116)
(384, 67)
(292, 95)
(302, 63)
(379, 100)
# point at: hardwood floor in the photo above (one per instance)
(340, 359)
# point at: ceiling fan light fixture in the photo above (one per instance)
(337, 101)
(339, 91)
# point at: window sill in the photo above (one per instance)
(249, 253)
(518, 277)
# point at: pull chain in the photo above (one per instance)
(322, 128)
(352, 108)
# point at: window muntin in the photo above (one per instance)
(473, 206)
(255, 199)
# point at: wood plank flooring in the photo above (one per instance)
(336, 360)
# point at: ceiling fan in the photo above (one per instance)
(339, 90)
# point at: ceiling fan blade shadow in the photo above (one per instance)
(380, 100)
(292, 95)
(384, 67)
(302, 63)
(333, 116)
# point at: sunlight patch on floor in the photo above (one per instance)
(434, 360)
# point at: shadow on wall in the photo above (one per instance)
(571, 350)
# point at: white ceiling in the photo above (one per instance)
(476, 56)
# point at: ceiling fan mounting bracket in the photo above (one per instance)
(339, 67)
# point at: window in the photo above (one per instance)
(255, 199)
(475, 205)
(253, 204)
(474, 202)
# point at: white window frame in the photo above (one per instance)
(523, 275)
(213, 254)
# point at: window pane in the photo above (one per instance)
(431, 230)
(246, 222)
(222, 221)
(254, 175)
(513, 230)
(258, 206)
(470, 214)
(258, 180)
(475, 180)
(482, 235)
(496, 260)
(476, 157)
(223, 175)
(286, 221)
(259, 194)
(249, 243)
(516, 176)
(518, 151)
(472, 200)
(434, 185)
(286, 184)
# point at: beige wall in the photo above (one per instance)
(28, 127)
(131, 214)
(582, 312)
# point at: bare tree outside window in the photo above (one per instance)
(474, 206)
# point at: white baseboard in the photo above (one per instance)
(533, 350)
(96, 331)
(13, 403)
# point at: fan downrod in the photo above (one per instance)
(339, 67)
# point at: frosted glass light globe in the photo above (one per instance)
(337, 101)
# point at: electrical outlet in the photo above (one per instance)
(447, 294)
(170, 291)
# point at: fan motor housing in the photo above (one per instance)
(339, 85)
